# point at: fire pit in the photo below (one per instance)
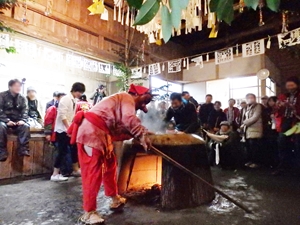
(178, 190)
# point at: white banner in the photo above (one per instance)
(4, 40)
(137, 72)
(154, 69)
(198, 61)
(90, 65)
(104, 68)
(52, 56)
(289, 39)
(224, 56)
(254, 48)
(174, 66)
(74, 61)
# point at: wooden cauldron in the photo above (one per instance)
(179, 190)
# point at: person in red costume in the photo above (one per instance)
(112, 119)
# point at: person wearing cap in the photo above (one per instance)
(112, 119)
(34, 109)
(289, 112)
(14, 115)
(99, 94)
(53, 101)
(224, 146)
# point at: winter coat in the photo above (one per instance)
(204, 112)
(215, 118)
(49, 122)
(236, 116)
(253, 121)
(13, 108)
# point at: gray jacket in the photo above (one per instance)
(13, 108)
(253, 121)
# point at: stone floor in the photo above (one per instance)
(37, 201)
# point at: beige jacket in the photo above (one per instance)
(253, 121)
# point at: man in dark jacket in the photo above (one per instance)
(14, 115)
(186, 95)
(184, 114)
(53, 101)
(215, 117)
(205, 110)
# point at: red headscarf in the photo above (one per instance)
(138, 90)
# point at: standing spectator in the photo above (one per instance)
(53, 101)
(186, 95)
(205, 110)
(184, 114)
(232, 114)
(216, 117)
(99, 94)
(243, 104)
(50, 118)
(252, 126)
(14, 115)
(83, 104)
(65, 115)
(289, 112)
(264, 101)
(34, 109)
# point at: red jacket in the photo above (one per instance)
(282, 109)
(49, 122)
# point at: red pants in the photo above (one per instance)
(92, 172)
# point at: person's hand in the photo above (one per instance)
(11, 124)
(179, 132)
(147, 144)
(242, 126)
(48, 137)
(216, 129)
(20, 123)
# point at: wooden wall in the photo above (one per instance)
(71, 26)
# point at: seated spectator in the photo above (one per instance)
(14, 115)
(289, 112)
(50, 118)
(184, 114)
(35, 119)
(190, 99)
(205, 110)
(216, 117)
(83, 104)
(224, 147)
(53, 101)
(232, 114)
(253, 130)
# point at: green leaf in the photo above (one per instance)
(147, 12)
(135, 3)
(273, 5)
(251, 3)
(175, 13)
(166, 23)
(224, 9)
(183, 3)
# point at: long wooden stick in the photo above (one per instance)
(178, 165)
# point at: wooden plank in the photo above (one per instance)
(28, 161)
(16, 162)
(5, 167)
(48, 160)
(37, 167)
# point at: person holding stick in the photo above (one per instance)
(112, 119)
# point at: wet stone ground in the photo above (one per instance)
(275, 201)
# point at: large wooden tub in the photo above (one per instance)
(178, 189)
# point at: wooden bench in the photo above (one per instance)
(39, 162)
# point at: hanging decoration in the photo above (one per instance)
(284, 28)
(154, 69)
(289, 39)
(104, 68)
(261, 18)
(49, 6)
(97, 7)
(163, 67)
(224, 56)
(174, 66)
(237, 50)
(254, 48)
(207, 57)
(198, 61)
(137, 72)
(269, 43)
(24, 18)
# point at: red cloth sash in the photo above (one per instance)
(92, 118)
